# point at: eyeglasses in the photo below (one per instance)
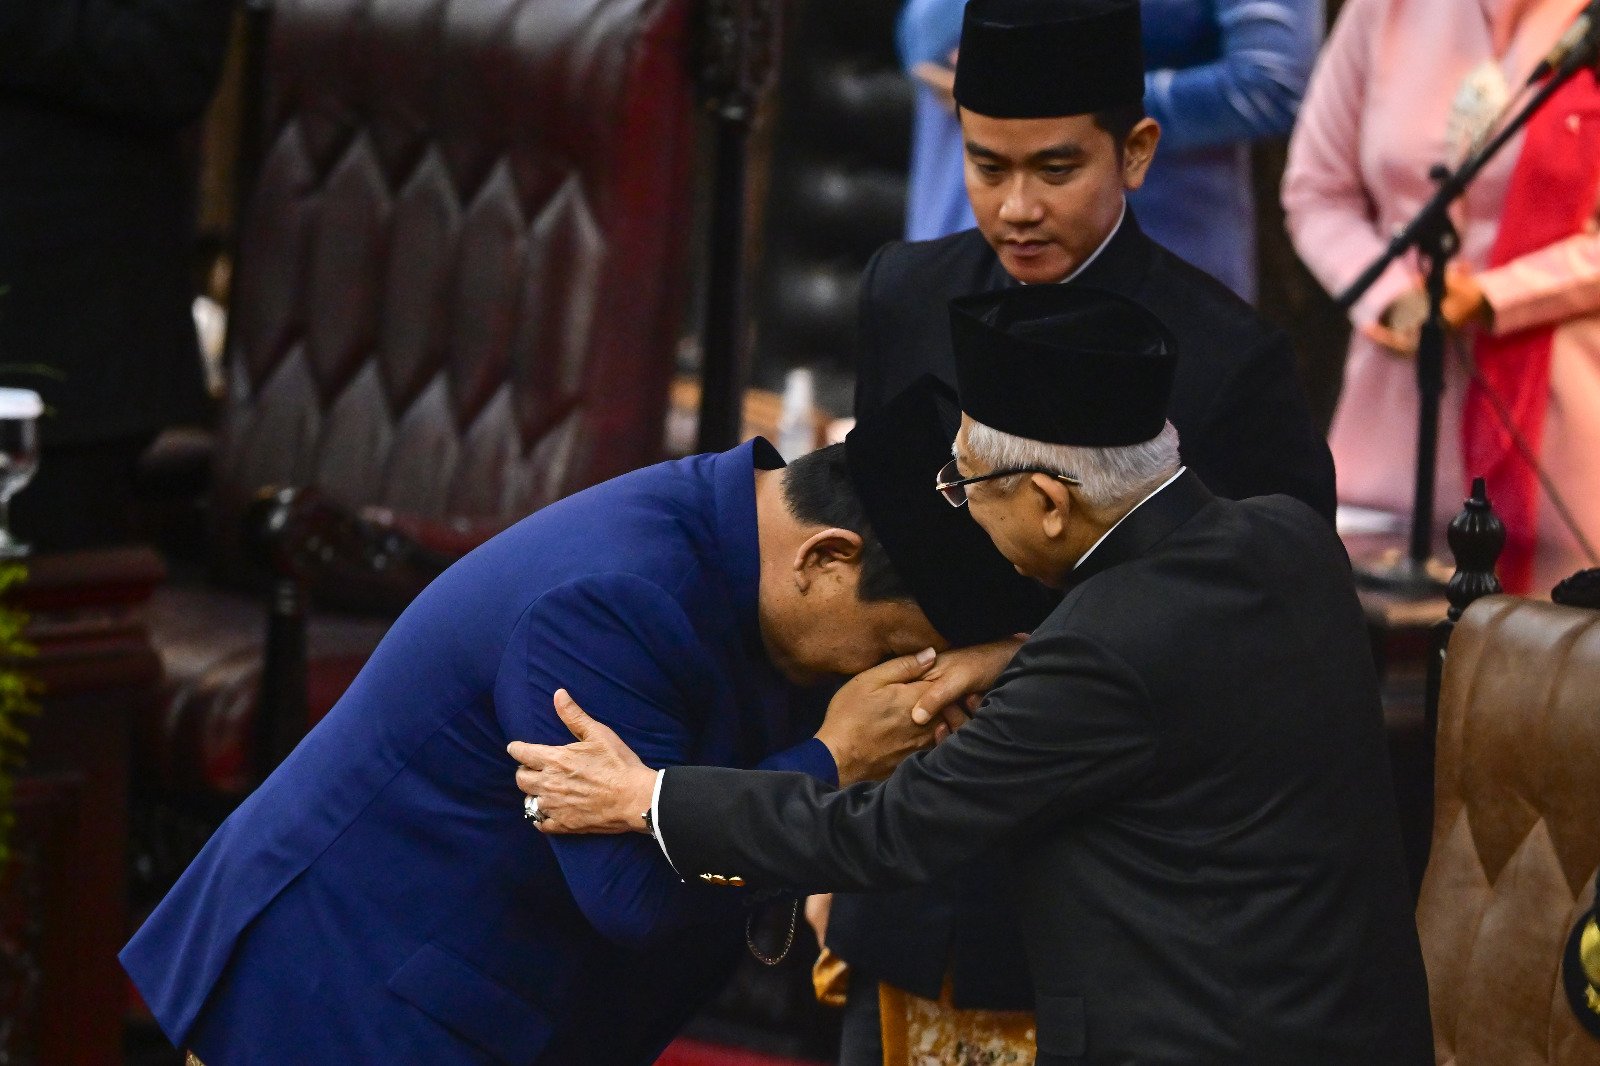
(953, 487)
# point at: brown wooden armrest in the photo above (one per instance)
(371, 560)
(442, 539)
(99, 577)
(84, 621)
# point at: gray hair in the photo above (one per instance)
(1108, 476)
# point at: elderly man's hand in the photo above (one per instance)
(597, 785)
(957, 681)
(869, 728)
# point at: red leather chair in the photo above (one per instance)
(460, 281)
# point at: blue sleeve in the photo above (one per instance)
(1253, 89)
(810, 757)
(928, 31)
(630, 657)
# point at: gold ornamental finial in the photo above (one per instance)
(1581, 972)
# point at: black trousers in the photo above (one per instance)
(861, 1030)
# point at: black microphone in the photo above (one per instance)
(1580, 37)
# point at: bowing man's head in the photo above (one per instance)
(1050, 94)
(1064, 393)
(860, 562)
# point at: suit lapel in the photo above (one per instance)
(1146, 527)
(997, 277)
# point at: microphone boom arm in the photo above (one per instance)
(1454, 183)
(1431, 232)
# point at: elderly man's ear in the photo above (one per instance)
(1054, 501)
(827, 552)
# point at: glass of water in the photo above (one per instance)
(19, 457)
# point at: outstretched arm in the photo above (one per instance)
(1068, 729)
(599, 785)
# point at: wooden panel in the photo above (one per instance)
(63, 910)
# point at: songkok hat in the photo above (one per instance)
(1063, 364)
(958, 577)
(1049, 58)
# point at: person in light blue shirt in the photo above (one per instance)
(1219, 74)
(936, 197)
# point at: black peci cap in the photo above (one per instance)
(1063, 364)
(958, 577)
(1049, 58)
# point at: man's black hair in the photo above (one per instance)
(819, 492)
(1120, 120)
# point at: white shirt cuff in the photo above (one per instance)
(655, 821)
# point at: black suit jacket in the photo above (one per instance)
(1236, 400)
(1187, 767)
(1245, 430)
(97, 206)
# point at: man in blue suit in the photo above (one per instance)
(380, 897)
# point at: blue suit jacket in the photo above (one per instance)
(380, 898)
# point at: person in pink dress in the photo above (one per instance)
(1401, 86)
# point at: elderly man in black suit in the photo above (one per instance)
(1050, 99)
(1185, 763)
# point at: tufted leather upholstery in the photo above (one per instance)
(459, 287)
(1516, 838)
(460, 272)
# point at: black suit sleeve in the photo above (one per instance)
(154, 61)
(1260, 438)
(1067, 729)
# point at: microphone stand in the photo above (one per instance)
(1434, 236)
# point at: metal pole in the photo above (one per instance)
(1437, 246)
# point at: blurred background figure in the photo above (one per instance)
(1402, 87)
(1217, 78)
(96, 241)
(936, 197)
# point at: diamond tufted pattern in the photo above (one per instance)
(461, 271)
(459, 289)
(1516, 838)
